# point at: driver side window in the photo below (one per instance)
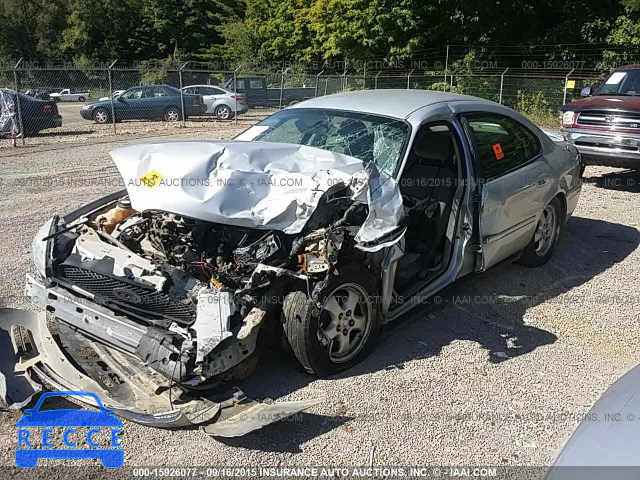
(133, 94)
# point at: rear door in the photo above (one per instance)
(515, 183)
(210, 96)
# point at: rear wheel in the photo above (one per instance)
(101, 115)
(543, 244)
(339, 328)
(223, 112)
(172, 114)
(81, 99)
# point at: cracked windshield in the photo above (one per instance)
(370, 138)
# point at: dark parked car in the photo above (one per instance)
(36, 114)
(258, 95)
(150, 102)
(605, 126)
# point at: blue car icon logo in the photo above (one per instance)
(33, 446)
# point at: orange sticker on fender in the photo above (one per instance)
(497, 150)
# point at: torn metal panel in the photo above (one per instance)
(382, 194)
(136, 393)
(213, 320)
(250, 415)
(254, 184)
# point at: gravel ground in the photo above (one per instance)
(496, 371)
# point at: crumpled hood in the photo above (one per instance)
(252, 184)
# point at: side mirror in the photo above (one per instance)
(586, 92)
(120, 98)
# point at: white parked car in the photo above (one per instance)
(220, 102)
(115, 94)
(65, 95)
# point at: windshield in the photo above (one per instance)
(370, 138)
(623, 82)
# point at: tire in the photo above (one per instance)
(223, 112)
(81, 99)
(308, 324)
(171, 114)
(101, 116)
(543, 243)
(292, 101)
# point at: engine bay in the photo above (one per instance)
(201, 288)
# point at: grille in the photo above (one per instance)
(128, 295)
(609, 119)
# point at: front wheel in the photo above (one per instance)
(101, 115)
(172, 114)
(543, 244)
(338, 329)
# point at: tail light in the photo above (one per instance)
(46, 109)
(240, 98)
(196, 101)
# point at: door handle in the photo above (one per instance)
(543, 180)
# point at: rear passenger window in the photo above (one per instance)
(503, 143)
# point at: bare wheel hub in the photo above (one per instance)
(345, 322)
(545, 231)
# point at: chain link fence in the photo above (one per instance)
(72, 103)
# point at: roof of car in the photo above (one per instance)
(399, 103)
(204, 85)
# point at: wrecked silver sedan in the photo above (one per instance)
(315, 226)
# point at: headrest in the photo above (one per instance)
(434, 146)
(351, 127)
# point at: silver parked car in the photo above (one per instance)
(317, 226)
(220, 102)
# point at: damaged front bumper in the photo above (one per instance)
(31, 352)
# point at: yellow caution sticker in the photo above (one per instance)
(151, 178)
(571, 84)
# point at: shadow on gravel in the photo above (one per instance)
(288, 434)
(488, 309)
(66, 133)
(625, 180)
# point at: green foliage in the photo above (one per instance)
(247, 31)
(536, 107)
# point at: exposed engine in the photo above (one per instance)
(215, 254)
(196, 283)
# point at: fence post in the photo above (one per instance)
(566, 80)
(364, 77)
(375, 81)
(451, 86)
(343, 81)
(18, 107)
(446, 64)
(235, 95)
(409, 77)
(317, 81)
(182, 94)
(113, 108)
(502, 84)
(284, 71)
